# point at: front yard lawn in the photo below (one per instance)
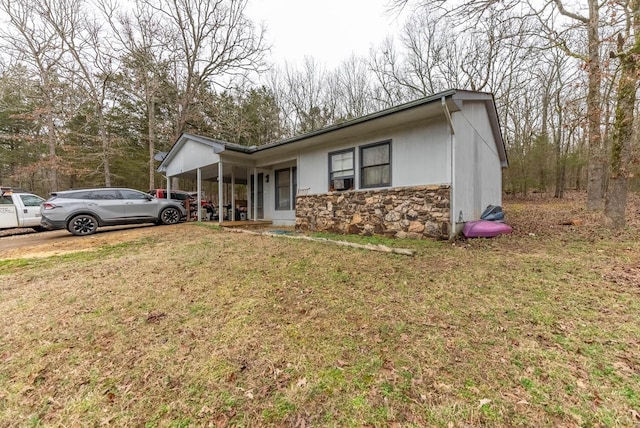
(196, 326)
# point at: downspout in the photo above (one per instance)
(452, 219)
(447, 113)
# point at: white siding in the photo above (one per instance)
(192, 155)
(420, 154)
(478, 175)
(423, 152)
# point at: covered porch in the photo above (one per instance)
(229, 166)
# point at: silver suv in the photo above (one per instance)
(82, 211)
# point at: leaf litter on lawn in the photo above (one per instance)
(192, 326)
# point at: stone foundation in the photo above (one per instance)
(405, 212)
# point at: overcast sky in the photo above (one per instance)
(328, 30)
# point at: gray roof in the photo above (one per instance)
(451, 96)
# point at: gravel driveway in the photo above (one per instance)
(18, 243)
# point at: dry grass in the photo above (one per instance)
(198, 327)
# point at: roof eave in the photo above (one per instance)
(360, 120)
(218, 146)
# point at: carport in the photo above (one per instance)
(203, 159)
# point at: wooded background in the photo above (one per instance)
(91, 90)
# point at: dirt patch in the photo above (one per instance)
(44, 244)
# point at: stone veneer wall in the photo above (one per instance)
(405, 212)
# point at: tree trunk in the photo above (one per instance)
(106, 145)
(595, 188)
(561, 166)
(51, 141)
(151, 111)
(616, 202)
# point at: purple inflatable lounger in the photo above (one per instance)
(485, 229)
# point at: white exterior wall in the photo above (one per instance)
(478, 174)
(420, 154)
(191, 156)
(423, 152)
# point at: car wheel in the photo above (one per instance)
(82, 224)
(170, 216)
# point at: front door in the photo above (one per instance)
(139, 205)
(260, 203)
(31, 213)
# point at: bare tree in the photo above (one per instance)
(304, 94)
(385, 65)
(354, 88)
(213, 41)
(559, 97)
(559, 33)
(29, 39)
(591, 25)
(89, 60)
(312, 97)
(629, 56)
(142, 39)
(424, 65)
(441, 52)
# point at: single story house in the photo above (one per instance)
(421, 169)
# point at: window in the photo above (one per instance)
(283, 189)
(132, 194)
(341, 170)
(294, 180)
(375, 168)
(31, 200)
(104, 195)
(77, 195)
(180, 196)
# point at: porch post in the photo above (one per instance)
(220, 195)
(249, 205)
(255, 194)
(199, 200)
(168, 187)
(232, 217)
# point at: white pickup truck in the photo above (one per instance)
(19, 209)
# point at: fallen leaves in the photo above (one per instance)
(445, 333)
(155, 316)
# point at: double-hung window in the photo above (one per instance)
(375, 165)
(341, 170)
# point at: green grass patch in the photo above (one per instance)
(193, 327)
